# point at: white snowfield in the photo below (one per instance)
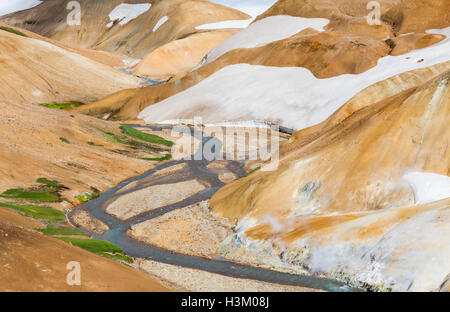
(265, 31)
(250, 7)
(160, 23)
(292, 97)
(428, 187)
(127, 12)
(225, 25)
(11, 6)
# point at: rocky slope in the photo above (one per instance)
(37, 71)
(384, 154)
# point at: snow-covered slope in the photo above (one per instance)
(428, 187)
(8, 6)
(292, 97)
(268, 30)
(160, 23)
(124, 12)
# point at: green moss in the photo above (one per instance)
(114, 138)
(64, 140)
(118, 257)
(166, 157)
(48, 182)
(38, 212)
(62, 106)
(86, 197)
(253, 171)
(53, 230)
(14, 31)
(99, 247)
(146, 137)
(42, 196)
(93, 245)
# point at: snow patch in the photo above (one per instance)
(130, 62)
(7, 7)
(225, 24)
(428, 187)
(288, 96)
(241, 124)
(265, 31)
(127, 12)
(160, 23)
(231, 124)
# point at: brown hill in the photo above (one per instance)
(31, 137)
(37, 71)
(31, 261)
(401, 16)
(81, 153)
(135, 38)
(103, 57)
(175, 59)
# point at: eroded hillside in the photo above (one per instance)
(359, 184)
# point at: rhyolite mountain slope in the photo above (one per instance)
(328, 44)
(55, 144)
(132, 28)
(175, 59)
(31, 261)
(37, 71)
(350, 193)
(83, 154)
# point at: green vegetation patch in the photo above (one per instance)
(12, 30)
(38, 212)
(253, 171)
(150, 138)
(48, 182)
(86, 197)
(41, 195)
(99, 247)
(93, 144)
(53, 230)
(115, 139)
(64, 140)
(62, 106)
(121, 257)
(166, 157)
